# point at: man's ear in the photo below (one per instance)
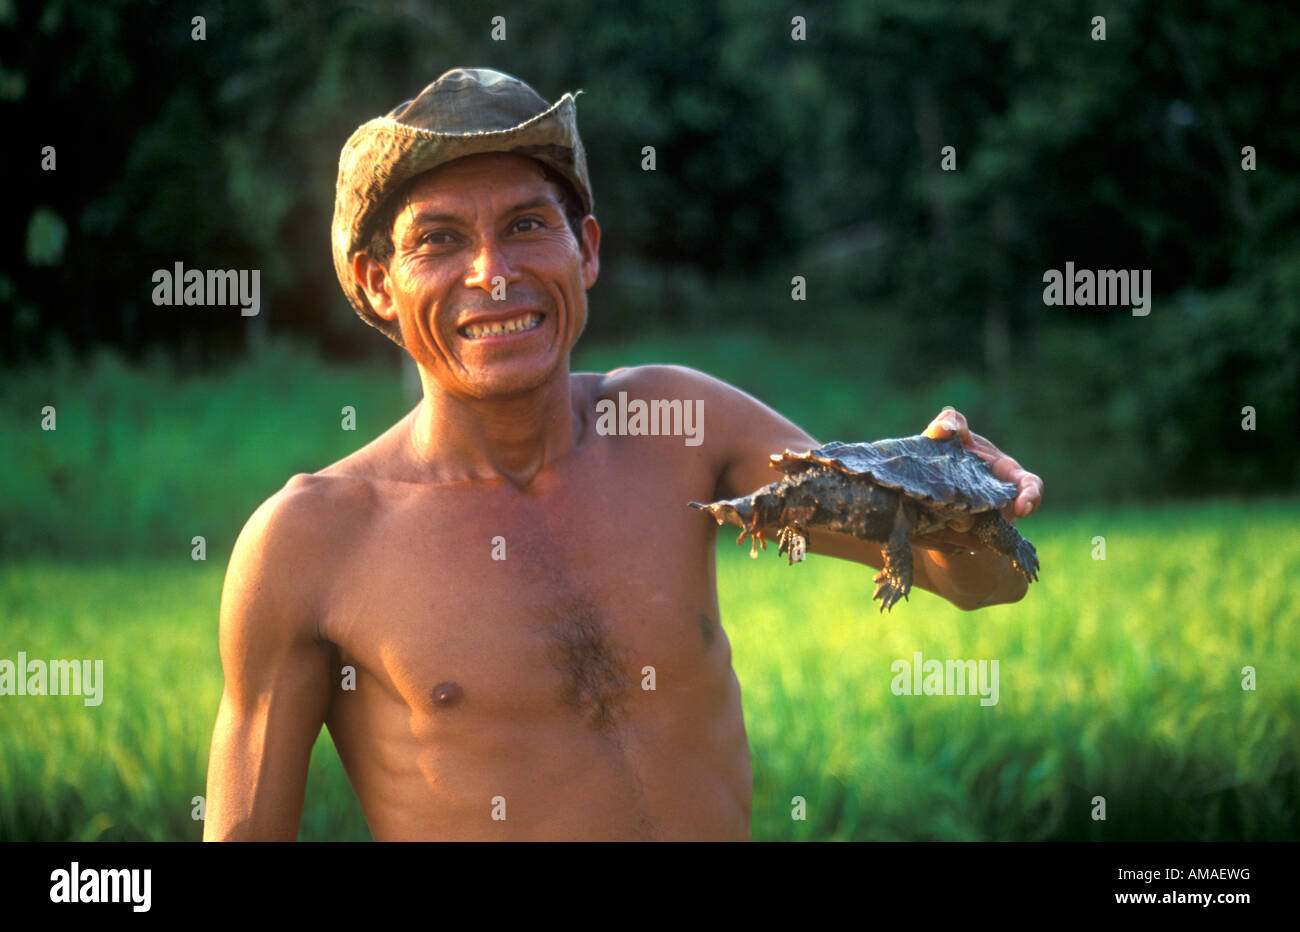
(590, 248)
(373, 279)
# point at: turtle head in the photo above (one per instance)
(759, 510)
(737, 511)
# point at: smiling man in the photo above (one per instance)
(471, 601)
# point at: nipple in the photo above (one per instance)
(447, 693)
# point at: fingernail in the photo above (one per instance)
(949, 424)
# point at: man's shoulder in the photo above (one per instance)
(312, 501)
(306, 522)
(660, 380)
(336, 502)
(727, 407)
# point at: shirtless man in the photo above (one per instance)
(502, 698)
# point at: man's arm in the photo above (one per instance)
(748, 432)
(278, 674)
(968, 579)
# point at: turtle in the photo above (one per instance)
(889, 492)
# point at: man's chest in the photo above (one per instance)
(576, 599)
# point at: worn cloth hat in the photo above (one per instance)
(467, 111)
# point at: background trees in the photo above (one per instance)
(775, 158)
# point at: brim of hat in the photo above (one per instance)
(384, 154)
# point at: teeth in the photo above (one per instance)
(497, 328)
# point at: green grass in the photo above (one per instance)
(127, 769)
(145, 457)
(1118, 678)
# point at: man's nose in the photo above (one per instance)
(490, 262)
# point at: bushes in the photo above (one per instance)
(146, 457)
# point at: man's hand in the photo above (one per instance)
(950, 421)
(952, 557)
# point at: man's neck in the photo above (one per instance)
(513, 438)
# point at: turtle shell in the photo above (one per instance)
(942, 471)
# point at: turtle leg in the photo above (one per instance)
(756, 538)
(1002, 536)
(894, 581)
(793, 540)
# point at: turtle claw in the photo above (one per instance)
(894, 581)
(794, 542)
(1025, 559)
(890, 587)
(1003, 537)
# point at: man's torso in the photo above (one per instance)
(503, 640)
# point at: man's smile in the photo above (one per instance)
(502, 328)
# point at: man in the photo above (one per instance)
(470, 601)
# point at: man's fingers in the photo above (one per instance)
(947, 422)
(984, 447)
(1031, 494)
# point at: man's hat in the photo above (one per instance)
(467, 111)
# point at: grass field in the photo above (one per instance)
(1118, 678)
(146, 455)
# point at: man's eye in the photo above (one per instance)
(437, 239)
(536, 224)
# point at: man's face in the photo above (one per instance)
(468, 228)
